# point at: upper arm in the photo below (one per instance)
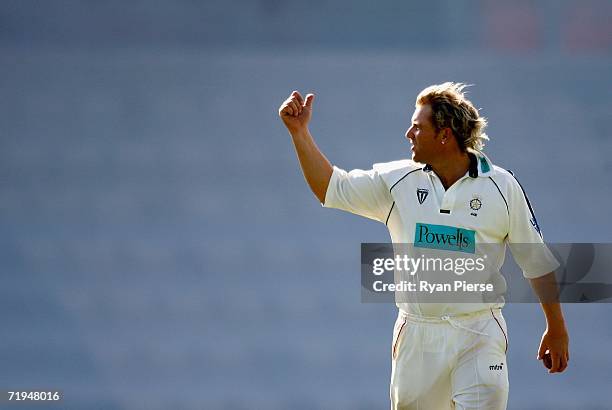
(360, 192)
(524, 235)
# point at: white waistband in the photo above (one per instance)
(454, 321)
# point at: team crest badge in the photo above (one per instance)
(422, 194)
(475, 203)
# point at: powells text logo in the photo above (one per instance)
(444, 237)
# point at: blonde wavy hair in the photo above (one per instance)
(450, 108)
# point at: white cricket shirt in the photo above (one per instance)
(486, 206)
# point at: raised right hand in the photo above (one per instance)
(295, 112)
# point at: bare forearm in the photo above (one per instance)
(554, 346)
(547, 291)
(296, 113)
(555, 322)
(315, 166)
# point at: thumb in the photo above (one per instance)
(541, 351)
(309, 100)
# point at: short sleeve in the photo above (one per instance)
(525, 237)
(360, 192)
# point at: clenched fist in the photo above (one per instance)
(295, 112)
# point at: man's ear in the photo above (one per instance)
(445, 135)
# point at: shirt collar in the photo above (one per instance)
(480, 165)
(484, 165)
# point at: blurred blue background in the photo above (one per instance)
(160, 248)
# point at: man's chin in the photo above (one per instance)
(417, 158)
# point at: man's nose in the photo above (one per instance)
(409, 134)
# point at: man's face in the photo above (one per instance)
(422, 135)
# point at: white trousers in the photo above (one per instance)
(454, 363)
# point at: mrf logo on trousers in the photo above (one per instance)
(444, 237)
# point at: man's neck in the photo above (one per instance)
(452, 168)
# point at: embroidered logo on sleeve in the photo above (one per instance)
(535, 225)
